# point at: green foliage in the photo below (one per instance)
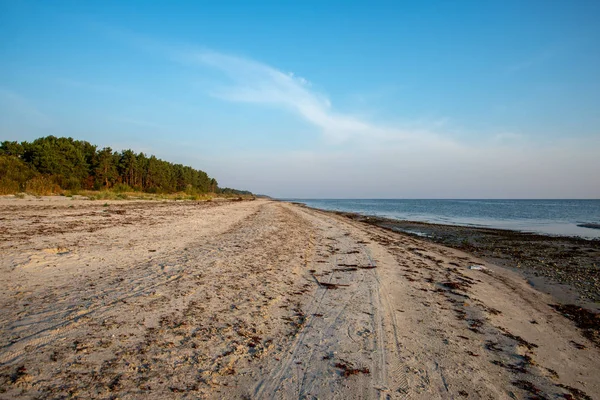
(229, 191)
(11, 149)
(61, 158)
(122, 188)
(50, 165)
(105, 170)
(14, 174)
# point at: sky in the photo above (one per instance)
(320, 99)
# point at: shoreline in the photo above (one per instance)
(264, 299)
(577, 227)
(564, 267)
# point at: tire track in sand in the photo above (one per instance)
(352, 325)
(389, 377)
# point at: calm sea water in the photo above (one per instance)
(554, 217)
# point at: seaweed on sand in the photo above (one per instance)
(587, 321)
(349, 370)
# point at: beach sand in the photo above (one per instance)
(265, 300)
(568, 268)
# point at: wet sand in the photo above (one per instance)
(264, 299)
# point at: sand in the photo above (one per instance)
(264, 300)
(566, 267)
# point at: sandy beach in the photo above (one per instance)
(266, 300)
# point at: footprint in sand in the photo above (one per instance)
(47, 256)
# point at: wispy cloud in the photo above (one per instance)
(254, 82)
(418, 159)
(410, 158)
(250, 81)
(532, 61)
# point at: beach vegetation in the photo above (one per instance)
(57, 165)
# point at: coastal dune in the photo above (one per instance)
(265, 300)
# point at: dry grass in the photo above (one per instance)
(45, 188)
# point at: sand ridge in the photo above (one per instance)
(264, 299)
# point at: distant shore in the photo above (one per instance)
(565, 267)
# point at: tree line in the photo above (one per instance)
(57, 163)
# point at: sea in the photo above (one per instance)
(550, 217)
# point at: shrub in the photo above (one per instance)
(122, 187)
(42, 185)
(9, 186)
(14, 174)
(72, 184)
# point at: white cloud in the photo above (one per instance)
(414, 160)
(253, 82)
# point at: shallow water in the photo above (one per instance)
(554, 217)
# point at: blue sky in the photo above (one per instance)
(337, 99)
